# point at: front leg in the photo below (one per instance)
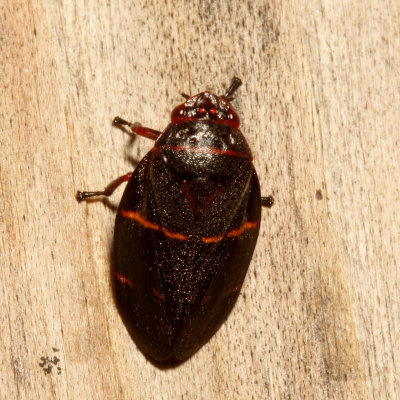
(138, 130)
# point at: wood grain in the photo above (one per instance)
(319, 314)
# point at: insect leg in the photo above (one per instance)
(138, 130)
(236, 82)
(109, 189)
(267, 201)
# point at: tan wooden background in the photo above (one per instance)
(319, 314)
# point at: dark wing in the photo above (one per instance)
(137, 285)
(228, 261)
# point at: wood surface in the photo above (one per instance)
(319, 314)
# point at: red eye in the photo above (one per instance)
(202, 110)
(212, 111)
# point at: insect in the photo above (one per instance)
(186, 228)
